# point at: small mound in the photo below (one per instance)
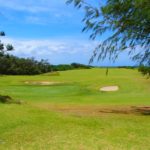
(42, 83)
(109, 88)
(9, 100)
(56, 73)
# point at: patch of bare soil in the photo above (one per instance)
(109, 88)
(55, 73)
(97, 111)
(42, 83)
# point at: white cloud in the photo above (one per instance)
(59, 51)
(56, 51)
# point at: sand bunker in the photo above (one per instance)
(109, 88)
(42, 83)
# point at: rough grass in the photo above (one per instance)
(64, 117)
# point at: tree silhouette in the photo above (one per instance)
(4, 48)
(128, 25)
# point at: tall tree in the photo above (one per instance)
(4, 48)
(128, 25)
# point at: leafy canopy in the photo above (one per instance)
(4, 48)
(128, 25)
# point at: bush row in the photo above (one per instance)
(11, 65)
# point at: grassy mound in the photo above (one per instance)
(8, 100)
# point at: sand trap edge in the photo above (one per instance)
(109, 88)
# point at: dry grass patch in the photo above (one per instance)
(43, 83)
(55, 73)
(96, 110)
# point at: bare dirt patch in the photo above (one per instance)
(55, 73)
(42, 83)
(97, 110)
(109, 89)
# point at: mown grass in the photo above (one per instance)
(29, 126)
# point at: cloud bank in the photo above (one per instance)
(56, 51)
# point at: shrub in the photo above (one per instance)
(145, 70)
(8, 100)
(11, 65)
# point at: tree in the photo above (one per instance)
(128, 25)
(145, 70)
(4, 48)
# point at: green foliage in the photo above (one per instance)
(63, 67)
(9, 47)
(145, 70)
(128, 67)
(8, 100)
(5, 48)
(12, 65)
(127, 21)
(80, 66)
(5, 99)
(2, 33)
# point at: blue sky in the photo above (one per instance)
(48, 29)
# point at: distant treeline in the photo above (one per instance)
(12, 65)
(63, 67)
(128, 67)
(121, 67)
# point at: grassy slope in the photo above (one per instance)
(81, 86)
(30, 127)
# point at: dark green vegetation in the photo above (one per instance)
(76, 115)
(63, 67)
(11, 65)
(126, 21)
(145, 70)
(4, 48)
(8, 100)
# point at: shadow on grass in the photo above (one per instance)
(131, 110)
(97, 110)
(142, 110)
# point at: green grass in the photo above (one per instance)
(32, 126)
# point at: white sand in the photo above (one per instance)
(109, 88)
